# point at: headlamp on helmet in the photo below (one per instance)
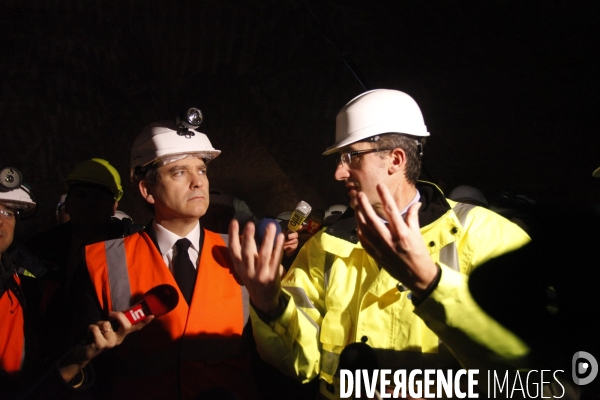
(190, 119)
(13, 192)
(10, 179)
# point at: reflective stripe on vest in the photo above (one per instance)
(118, 276)
(449, 253)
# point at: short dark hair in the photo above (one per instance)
(410, 145)
(147, 173)
(150, 175)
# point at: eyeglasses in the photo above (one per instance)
(8, 215)
(346, 158)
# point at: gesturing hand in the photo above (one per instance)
(398, 246)
(258, 269)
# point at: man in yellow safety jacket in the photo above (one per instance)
(392, 273)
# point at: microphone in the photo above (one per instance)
(315, 221)
(298, 216)
(261, 229)
(157, 301)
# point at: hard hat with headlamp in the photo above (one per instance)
(165, 142)
(13, 193)
(99, 172)
(375, 113)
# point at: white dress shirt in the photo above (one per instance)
(405, 209)
(166, 243)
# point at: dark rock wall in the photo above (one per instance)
(508, 89)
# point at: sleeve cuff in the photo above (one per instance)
(430, 288)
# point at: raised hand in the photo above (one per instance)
(398, 245)
(258, 269)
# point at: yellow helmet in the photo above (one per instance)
(99, 172)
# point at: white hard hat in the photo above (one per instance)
(121, 214)
(333, 213)
(13, 193)
(161, 141)
(377, 112)
(18, 198)
(284, 216)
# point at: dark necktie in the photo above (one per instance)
(185, 273)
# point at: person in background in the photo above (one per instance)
(21, 371)
(469, 195)
(393, 276)
(61, 214)
(223, 208)
(333, 213)
(93, 193)
(517, 208)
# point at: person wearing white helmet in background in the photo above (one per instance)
(470, 195)
(72, 374)
(333, 213)
(198, 347)
(393, 276)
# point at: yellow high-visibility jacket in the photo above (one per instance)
(338, 295)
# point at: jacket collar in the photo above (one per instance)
(434, 206)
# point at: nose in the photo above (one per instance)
(198, 180)
(341, 172)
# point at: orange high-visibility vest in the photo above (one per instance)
(12, 337)
(188, 350)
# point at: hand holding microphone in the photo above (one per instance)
(157, 301)
(105, 335)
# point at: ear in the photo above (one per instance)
(114, 208)
(398, 163)
(146, 191)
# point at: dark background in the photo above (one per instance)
(508, 89)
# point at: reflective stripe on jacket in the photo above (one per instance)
(348, 298)
(198, 345)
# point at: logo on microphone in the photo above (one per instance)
(584, 368)
(136, 314)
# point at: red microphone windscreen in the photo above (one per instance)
(161, 299)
